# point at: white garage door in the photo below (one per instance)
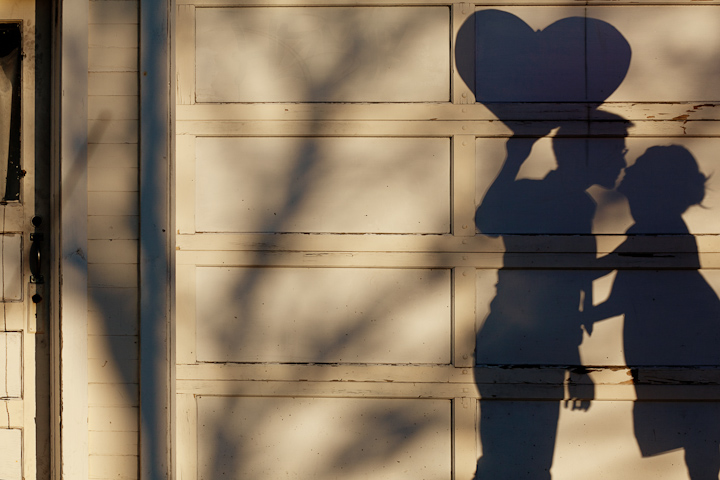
(329, 161)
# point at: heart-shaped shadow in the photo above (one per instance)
(575, 59)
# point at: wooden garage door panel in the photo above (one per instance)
(601, 444)
(672, 53)
(323, 438)
(340, 185)
(321, 54)
(11, 458)
(10, 365)
(656, 317)
(323, 315)
(11, 280)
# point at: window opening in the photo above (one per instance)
(10, 88)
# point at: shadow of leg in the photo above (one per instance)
(518, 440)
(703, 460)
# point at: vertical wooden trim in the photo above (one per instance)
(156, 397)
(461, 12)
(185, 311)
(172, 431)
(186, 54)
(185, 183)
(464, 317)
(187, 437)
(71, 225)
(464, 438)
(463, 185)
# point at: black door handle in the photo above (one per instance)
(35, 259)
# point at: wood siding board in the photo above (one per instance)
(124, 467)
(109, 12)
(113, 203)
(113, 323)
(113, 155)
(113, 179)
(113, 131)
(112, 251)
(113, 443)
(106, 347)
(112, 83)
(113, 395)
(106, 227)
(112, 59)
(112, 275)
(102, 371)
(109, 419)
(113, 35)
(118, 107)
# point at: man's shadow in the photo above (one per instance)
(534, 318)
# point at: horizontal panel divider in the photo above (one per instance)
(486, 374)
(12, 416)
(443, 381)
(678, 112)
(305, 242)
(683, 261)
(496, 391)
(498, 3)
(436, 128)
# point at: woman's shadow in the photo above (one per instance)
(672, 317)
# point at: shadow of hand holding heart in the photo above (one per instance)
(575, 59)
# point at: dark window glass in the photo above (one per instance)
(10, 88)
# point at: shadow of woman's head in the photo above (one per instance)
(663, 183)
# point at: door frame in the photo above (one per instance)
(69, 288)
(69, 207)
(157, 245)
